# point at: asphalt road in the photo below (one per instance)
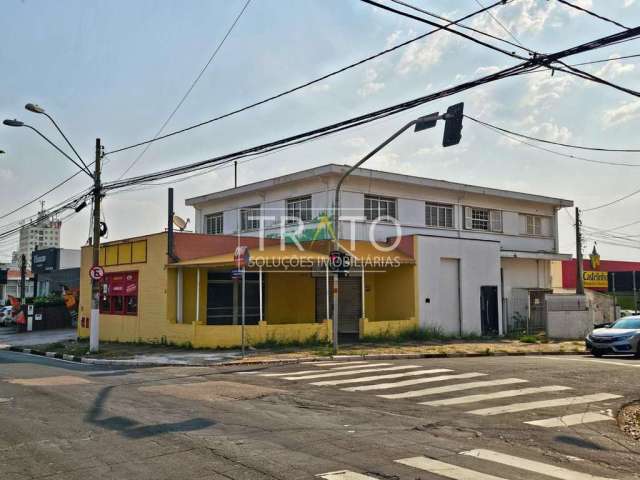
(349, 421)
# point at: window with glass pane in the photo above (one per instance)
(480, 219)
(439, 216)
(534, 225)
(376, 207)
(250, 218)
(300, 208)
(214, 223)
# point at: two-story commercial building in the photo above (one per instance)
(426, 253)
(481, 254)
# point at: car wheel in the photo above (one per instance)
(637, 354)
(596, 353)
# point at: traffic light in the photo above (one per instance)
(453, 125)
(339, 262)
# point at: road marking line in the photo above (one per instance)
(491, 396)
(352, 372)
(405, 383)
(531, 465)
(302, 372)
(446, 469)
(568, 420)
(345, 475)
(305, 372)
(412, 373)
(330, 364)
(594, 360)
(453, 388)
(556, 402)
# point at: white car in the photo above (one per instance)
(6, 316)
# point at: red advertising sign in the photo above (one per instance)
(125, 283)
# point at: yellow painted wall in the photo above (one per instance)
(393, 294)
(152, 299)
(386, 327)
(290, 298)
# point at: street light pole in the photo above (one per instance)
(94, 330)
(422, 123)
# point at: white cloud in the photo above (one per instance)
(550, 131)
(541, 92)
(355, 142)
(628, 3)
(321, 87)
(580, 3)
(621, 114)
(422, 54)
(614, 69)
(483, 71)
(526, 16)
(370, 85)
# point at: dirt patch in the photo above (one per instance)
(62, 380)
(212, 391)
(629, 420)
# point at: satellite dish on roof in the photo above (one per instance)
(180, 222)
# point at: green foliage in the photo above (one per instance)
(417, 334)
(273, 343)
(528, 339)
(51, 300)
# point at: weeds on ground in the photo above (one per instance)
(313, 341)
(418, 335)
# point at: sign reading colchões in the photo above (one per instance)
(593, 279)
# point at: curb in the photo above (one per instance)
(284, 361)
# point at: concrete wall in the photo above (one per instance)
(523, 273)
(479, 266)
(410, 210)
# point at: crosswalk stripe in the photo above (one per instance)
(446, 469)
(453, 388)
(345, 475)
(568, 420)
(531, 465)
(412, 373)
(406, 383)
(304, 372)
(352, 372)
(495, 395)
(331, 364)
(557, 402)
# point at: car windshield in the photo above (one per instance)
(628, 323)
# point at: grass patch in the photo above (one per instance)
(313, 342)
(418, 335)
(529, 339)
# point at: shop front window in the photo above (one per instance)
(119, 293)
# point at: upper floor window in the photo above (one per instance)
(250, 218)
(534, 225)
(376, 207)
(482, 219)
(300, 208)
(439, 216)
(214, 223)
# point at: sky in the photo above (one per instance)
(115, 69)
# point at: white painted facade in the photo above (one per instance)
(516, 255)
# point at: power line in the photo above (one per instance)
(362, 119)
(555, 152)
(568, 145)
(613, 202)
(593, 14)
(440, 17)
(191, 87)
(605, 60)
(495, 19)
(306, 84)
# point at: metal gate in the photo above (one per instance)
(537, 311)
(350, 303)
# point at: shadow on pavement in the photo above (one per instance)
(578, 442)
(131, 428)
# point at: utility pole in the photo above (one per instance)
(94, 331)
(23, 278)
(579, 266)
